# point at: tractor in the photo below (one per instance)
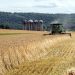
(57, 28)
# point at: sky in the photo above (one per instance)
(38, 6)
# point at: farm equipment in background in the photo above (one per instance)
(57, 28)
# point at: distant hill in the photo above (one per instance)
(14, 20)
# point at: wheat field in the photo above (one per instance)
(33, 53)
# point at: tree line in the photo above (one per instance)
(14, 20)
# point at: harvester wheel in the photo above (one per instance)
(53, 32)
(70, 34)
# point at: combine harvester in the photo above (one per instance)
(57, 28)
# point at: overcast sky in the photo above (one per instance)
(39, 6)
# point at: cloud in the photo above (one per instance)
(39, 0)
(52, 5)
(45, 6)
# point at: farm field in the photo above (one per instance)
(33, 53)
